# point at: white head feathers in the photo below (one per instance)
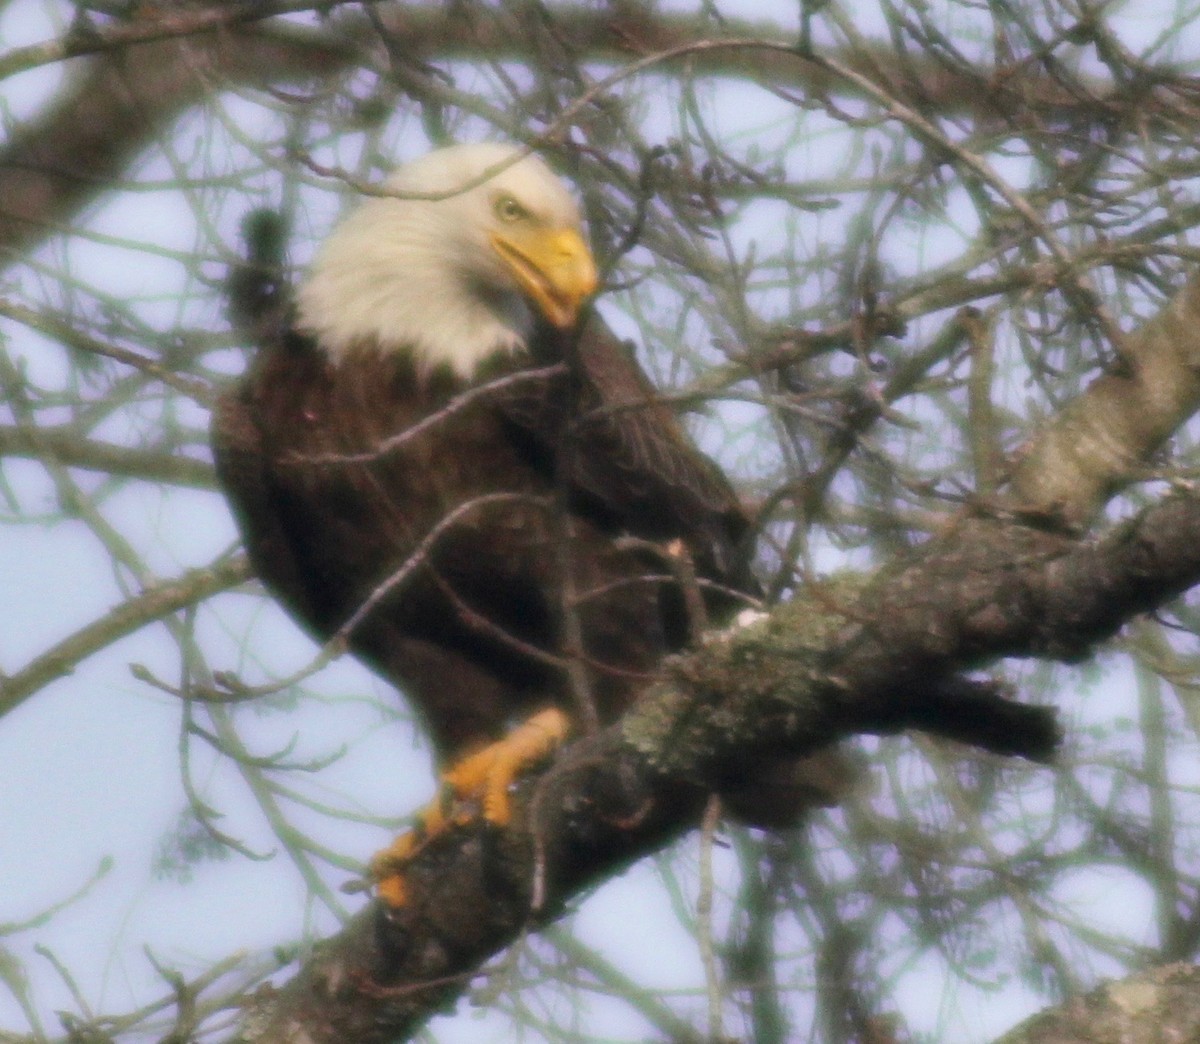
(421, 274)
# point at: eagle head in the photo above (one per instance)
(459, 258)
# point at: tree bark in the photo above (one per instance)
(1155, 1006)
(871, 658)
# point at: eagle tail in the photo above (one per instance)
(259, 294)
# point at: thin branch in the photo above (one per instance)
(150, 605)
(163, 24)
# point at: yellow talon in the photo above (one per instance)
(392, 890)
(484, 776)
(489, 773)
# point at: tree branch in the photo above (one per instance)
(116, 105)
(873, 658)
(1160, 1004)
(152, 604)
(1094, 446)
(84, 38)
(69, 447)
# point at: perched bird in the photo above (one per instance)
(437, 442)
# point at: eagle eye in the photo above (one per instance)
(509, 210)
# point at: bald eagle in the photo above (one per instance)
(438, 437)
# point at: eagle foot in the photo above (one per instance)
(479, 782)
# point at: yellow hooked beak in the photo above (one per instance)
(553, 267)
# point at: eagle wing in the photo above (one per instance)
(242, 468)
(624, 454)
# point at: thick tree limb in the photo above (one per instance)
(1162, 1004)
(846, 659)
(1095, 445)
(55, 164)
(85, 38)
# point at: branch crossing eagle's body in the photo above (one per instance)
(360, 451)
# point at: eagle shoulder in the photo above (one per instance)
(626, 457)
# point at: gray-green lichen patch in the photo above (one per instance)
(769, 677)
